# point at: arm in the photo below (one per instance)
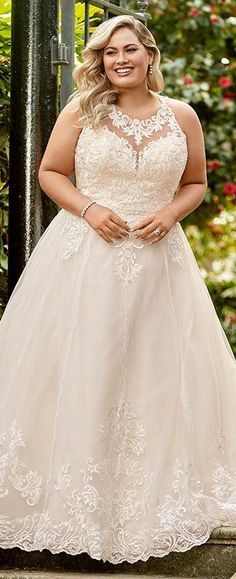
(193, 183)
(58, 163)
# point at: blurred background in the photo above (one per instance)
(197, 44)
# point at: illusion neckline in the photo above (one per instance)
(135, 120)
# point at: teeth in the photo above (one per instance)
(123, 70)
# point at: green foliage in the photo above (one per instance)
(193, 38)
(94, 15)
(197, 44)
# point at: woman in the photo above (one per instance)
(118, 383)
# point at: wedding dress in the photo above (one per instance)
(118, 390)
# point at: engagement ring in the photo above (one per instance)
(157, 231)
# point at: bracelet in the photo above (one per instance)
(86, 207)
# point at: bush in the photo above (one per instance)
(197, 44)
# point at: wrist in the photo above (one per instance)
(174, 212)
(86, 207)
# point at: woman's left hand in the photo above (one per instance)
(161, 220)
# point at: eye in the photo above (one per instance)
(133, 49)
(109, 53)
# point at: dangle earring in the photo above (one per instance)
(150, 68)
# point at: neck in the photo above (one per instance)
(134, 98)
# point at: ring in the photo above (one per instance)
(157, 231)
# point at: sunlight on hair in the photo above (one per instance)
(94, 89)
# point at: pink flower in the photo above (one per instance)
(215, 164)
(214, 18)
(225, 81)
(227, 101)
(230, 320)
(193, 12)
(230, 189)
(188, 80)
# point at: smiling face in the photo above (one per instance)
(126, 59)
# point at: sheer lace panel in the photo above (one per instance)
(139, 134)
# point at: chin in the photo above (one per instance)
(124, 82)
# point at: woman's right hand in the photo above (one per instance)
(106, 223)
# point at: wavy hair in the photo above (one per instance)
(94, 89)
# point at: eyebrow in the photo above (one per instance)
(126, 46)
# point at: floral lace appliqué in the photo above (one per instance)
(74, 229)
(126, 267)
(224, 484)
(123, 484)
(112, 506)
(135, 127)
(27, 483)
(175, 244)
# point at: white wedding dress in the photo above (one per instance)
(118, 385)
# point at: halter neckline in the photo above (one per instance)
(135, 120)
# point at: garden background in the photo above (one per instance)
(197, 44)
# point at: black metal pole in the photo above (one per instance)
(68, 38)
(33, 113)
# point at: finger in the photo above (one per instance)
(158, 237)
(142, 223)
(121, 222)
(117, 229)
(152, 235)
(104, 236)
(110, 232)
(145, 232)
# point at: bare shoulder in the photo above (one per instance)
(185, 114)
(60, 151)
(71, 111)
(72, 105)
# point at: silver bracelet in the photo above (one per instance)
(86, 207)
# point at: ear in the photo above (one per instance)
(151, 55)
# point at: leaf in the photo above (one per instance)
(3, 261)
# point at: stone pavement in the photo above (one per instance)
(51, 575)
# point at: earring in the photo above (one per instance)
(150, 69)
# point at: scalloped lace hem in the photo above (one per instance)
(116, 559)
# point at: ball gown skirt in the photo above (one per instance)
(118, 384)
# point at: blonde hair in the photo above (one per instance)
(95, 93)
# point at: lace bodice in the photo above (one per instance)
(132, 166)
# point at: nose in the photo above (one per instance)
(121, 58)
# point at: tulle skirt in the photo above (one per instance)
(117, 399)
